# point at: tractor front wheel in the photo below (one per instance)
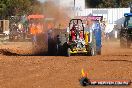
(92, 52)
(99, 51)
(68, 52)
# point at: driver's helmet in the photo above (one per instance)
(76, 26)
(73, 27)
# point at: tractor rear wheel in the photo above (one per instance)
(128, 42)
(92, 52)
(62, 44)
(99, 52)
(123, 42)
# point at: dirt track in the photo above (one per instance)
(60, 71)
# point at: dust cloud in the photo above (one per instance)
(57, 17)
(61, 14)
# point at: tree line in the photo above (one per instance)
(18, 7)
(107, 3)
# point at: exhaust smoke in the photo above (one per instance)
(61, 14)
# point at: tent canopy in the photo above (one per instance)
(35, 16)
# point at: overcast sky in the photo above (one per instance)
(42, 0)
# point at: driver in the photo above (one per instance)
(77, 31)
(73, 33)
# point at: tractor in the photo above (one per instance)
(126, 31)
(77, 39)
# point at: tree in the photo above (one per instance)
(2, 10)
(107, 3)
(93, 3)
(18, 7)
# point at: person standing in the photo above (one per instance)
(33, 30)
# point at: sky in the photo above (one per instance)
(42, 0)
(79, 3)
(63, 2)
